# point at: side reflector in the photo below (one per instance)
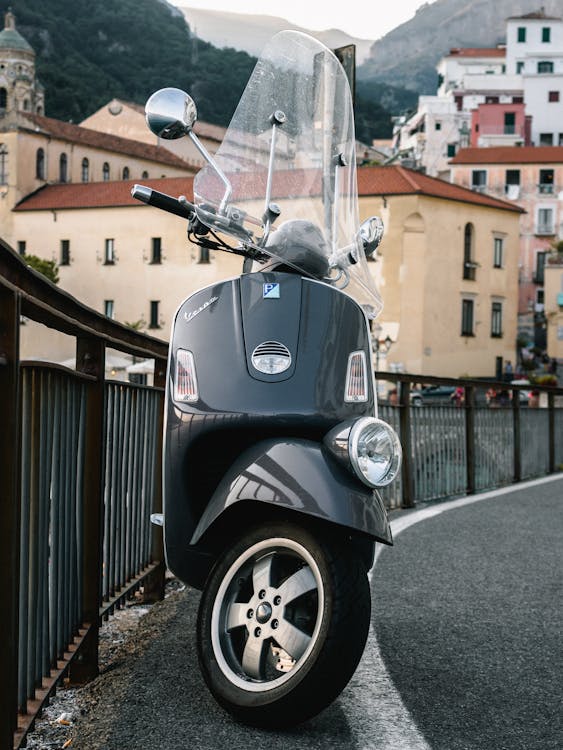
(185, 382)
(356, 378)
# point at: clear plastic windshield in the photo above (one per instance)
(284, 182)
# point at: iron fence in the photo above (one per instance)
(80, 475)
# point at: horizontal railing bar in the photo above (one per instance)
(125, 590)
(40, 364)
(403, 377)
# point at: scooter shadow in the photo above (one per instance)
(167, 704)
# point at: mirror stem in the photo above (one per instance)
(211, 161)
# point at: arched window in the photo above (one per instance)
(3, 164)
(63, 168)
(26, 105)
(40, 164)
(3, 98)
(105, 172)
(85, 170)
(145, 175)
(469, 264)
(125, 173)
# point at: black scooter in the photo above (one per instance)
(272, 444)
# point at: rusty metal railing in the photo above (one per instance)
(80, 474)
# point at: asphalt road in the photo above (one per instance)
(466, 650)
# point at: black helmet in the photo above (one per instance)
(302, 244)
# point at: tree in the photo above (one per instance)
(47, 267)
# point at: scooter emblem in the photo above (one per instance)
(191, 315)
(271, 291)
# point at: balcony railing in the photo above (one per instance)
(546, 188)
(545, 229)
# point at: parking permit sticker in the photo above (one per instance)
(271, 291)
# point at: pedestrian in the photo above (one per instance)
(508, 371)
(553, 366)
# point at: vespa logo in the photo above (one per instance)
(191, 315)
(271, 291)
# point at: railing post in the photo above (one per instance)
(90, 359)
(551, 428)
(154, 585)
(470, 437)
(517, 435)
(405, 424)
(10, 508)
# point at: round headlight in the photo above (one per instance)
(375, 451)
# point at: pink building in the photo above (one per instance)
(500, 124)
(532, 177)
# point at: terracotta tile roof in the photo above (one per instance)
(477, 52)
(67, 131)
(536, 15)
(391, 180)
(510, 155)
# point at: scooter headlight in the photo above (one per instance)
(375, 451)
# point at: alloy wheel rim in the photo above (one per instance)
(267, 614)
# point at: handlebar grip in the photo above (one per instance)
(185, 209)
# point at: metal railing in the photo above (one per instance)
(452, 450)
(80, 471)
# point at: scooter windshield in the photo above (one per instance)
(284, 182)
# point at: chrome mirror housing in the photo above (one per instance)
(371, 234)
(170, 113)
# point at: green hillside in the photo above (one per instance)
(89, 52)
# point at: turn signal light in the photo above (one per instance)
(185, 382)
(356, 378)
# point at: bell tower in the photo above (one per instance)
(19, 89)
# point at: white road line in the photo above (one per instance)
(377, 715)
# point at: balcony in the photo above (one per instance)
(546, 188)
(546, 230)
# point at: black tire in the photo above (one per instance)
(282, 624)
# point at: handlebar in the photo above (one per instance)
(182, 207)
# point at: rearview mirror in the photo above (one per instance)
(170, 113)
(371, 234)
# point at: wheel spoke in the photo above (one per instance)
(261, 572)
(254, 657)
(291, 639)
(237, 615)
(297, 584)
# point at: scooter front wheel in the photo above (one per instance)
(282, 624)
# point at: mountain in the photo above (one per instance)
(407, 56)
(251, 32)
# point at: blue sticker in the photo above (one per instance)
(271, 291)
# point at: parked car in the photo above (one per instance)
(432, 394)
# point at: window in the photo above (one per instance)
(545, 66)
(498, 252)
(109, 308)
(125, 174)
(451, 149)
(468, 263)
(553, 96)
(517, 100)
(21, 247)
(546, 34)
(85, 170)
(509, 123)
(3, 98)
(467, 308)
(511, 181)
(540, 267)
(496, 320)
(109, 252)
(105, 172)
(156, 250)
(546, 139)
(65, 253)
(437, 126)
(40, 164)
(546, 181)
(145, 175)
(63, 168)
(545, 221)
(478, 179)
(491, 100)
(519, 68)
(3, 164)
(154, 314)
(521, 34)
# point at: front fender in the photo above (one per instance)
(303, 476)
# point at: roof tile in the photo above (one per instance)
(509, 155)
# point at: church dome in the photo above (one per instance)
(10, 39)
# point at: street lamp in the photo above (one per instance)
(383, 345)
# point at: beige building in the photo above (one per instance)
(449, 307)
(554, 307)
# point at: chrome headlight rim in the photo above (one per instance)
(394, 463)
